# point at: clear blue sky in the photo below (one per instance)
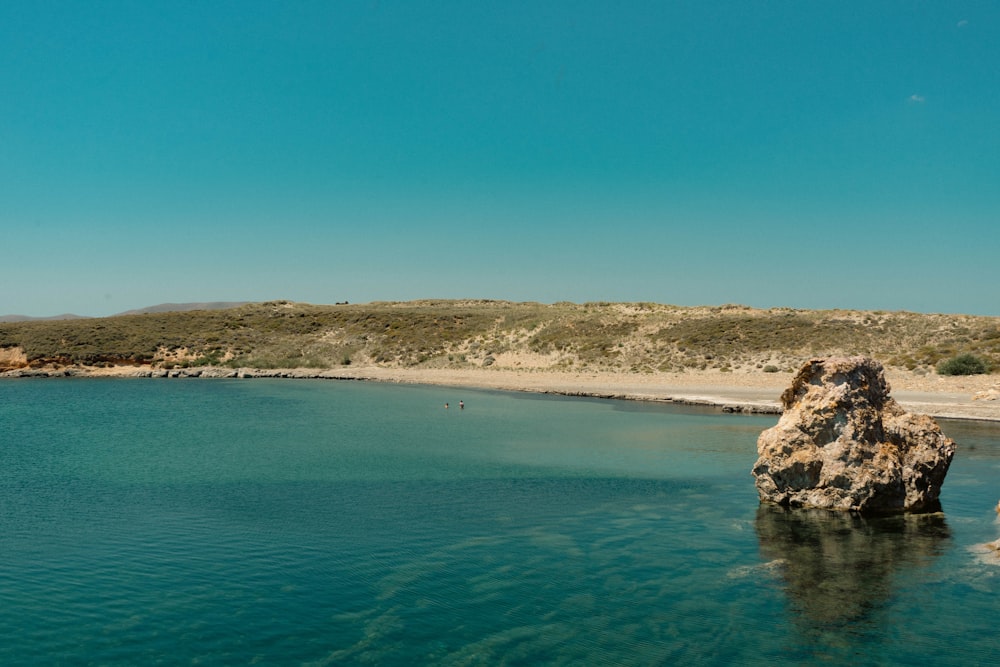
(825, 154)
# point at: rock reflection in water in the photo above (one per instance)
(839, 567)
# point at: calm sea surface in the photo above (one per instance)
(225, 522)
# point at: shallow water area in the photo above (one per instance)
(320, 522)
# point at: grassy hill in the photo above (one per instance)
(636, 337)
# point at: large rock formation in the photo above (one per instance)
(843, 443)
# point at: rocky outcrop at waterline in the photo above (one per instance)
(844, 444)
(146, 371)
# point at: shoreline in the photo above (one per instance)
(972, 397)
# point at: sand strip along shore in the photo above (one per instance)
(962, 397)
(974, 397)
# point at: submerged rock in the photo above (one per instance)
(843, 443)
(841, 568)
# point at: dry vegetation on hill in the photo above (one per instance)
(634, 337)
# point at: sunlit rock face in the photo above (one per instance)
(843, 443)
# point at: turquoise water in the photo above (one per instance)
(222, 522)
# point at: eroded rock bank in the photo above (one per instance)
(843, 443)
(195, 372)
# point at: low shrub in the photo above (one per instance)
(963, 364)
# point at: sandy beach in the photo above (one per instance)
(952, 397)
(968, 397)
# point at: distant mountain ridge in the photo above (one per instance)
(181, 307)
(28, 318)
(160, 308)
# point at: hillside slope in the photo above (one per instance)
(630, 337)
